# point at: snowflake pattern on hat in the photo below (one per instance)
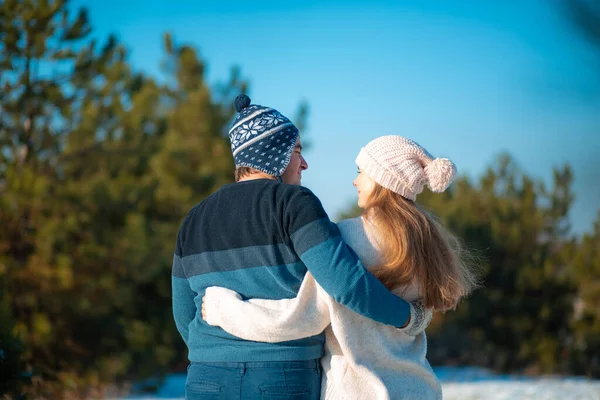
(255, 127)
(262, 138)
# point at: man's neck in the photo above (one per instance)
(257, 175)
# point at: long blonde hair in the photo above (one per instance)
(417, 250)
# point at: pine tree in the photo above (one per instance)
(98, 166)
(519, 319)
(12, 371)
(42, 56)
(586, 319)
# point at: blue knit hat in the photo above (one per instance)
(261, 138)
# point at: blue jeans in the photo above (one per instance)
(293, 380)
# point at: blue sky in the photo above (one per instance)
(466, 79)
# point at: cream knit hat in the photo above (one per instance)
(403, 166)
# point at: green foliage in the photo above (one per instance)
(98, 166)
(520, 319)
(585, 256)
(12, 370)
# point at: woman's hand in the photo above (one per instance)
(204, 308)
(212, 300)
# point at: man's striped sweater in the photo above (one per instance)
(259, 238)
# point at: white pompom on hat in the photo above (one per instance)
(404, 167)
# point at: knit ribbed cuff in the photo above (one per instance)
(382, 176)
(213, 300)
(420, 317)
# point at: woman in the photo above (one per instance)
(406, 248)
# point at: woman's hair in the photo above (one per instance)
(417, 250)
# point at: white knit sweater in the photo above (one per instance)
(363, 358)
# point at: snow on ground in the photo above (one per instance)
(541, 389)
(458, 383)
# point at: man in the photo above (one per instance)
(259, 237)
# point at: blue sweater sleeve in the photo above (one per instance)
(335, 266)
